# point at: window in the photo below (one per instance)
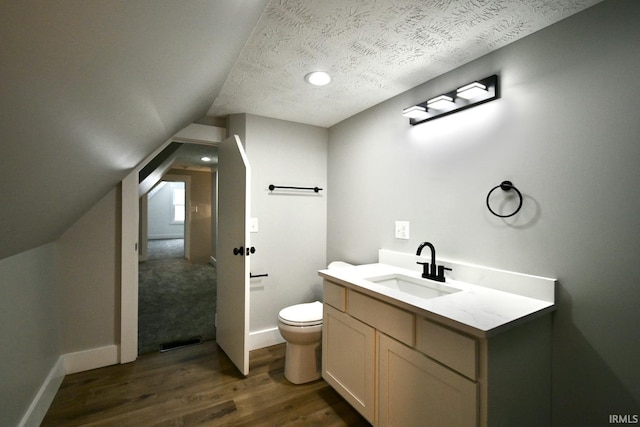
(178, 205)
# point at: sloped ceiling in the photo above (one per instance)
(89, 89)
(374, 50)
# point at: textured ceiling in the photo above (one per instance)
(374, 50)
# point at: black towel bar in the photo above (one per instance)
(315, 189)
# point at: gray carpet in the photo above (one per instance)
(165, 248)
(177, 299)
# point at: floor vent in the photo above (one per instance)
(179, 344)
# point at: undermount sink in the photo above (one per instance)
(415, 286)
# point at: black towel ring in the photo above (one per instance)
(505, 186)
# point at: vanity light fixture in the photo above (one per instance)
(472, 90)
(441, 102)
(318, 78)
(467, 96)
(417, 112)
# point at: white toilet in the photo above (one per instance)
(301, 326)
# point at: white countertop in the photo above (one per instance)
(478, 310)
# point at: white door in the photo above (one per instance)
(234, 179)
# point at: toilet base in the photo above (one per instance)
(302, 362)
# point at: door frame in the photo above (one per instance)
(130, 217)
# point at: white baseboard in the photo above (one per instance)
(69, 363)
(265, 338)
(91, 359)
(165, 236)
(40, 404)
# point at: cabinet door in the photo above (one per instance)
(417, 391)
(348, 359)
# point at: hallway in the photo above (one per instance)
(177, 299)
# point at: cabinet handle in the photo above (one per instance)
(239, 251)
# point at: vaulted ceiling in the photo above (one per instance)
(91, 88)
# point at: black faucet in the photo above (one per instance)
(437, 271)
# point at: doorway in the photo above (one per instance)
(176, 278)
(131, 188)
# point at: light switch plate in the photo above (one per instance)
(402, 230)
(253, 225)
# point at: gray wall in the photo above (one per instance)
(29, 328)
(56, 299)
(566, 133)
(291, 241)
(89, 278)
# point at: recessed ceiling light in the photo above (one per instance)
(205, 159)
(318, 78)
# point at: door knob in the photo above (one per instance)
(239, 251)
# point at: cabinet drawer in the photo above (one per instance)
(391, 320)
(455, 350)
(335, 295)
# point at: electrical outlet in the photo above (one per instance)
(402, 230)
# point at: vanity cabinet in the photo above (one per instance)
(348, 359)
(415, 390)
(399, 368)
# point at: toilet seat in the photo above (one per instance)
(308, 314)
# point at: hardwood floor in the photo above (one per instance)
(197, 385)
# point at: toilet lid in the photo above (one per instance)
(307, 314)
